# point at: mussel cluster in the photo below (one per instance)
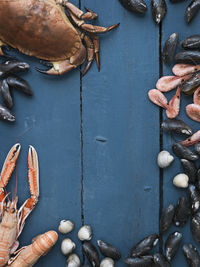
(159, 8)
(8, 81)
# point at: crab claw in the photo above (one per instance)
(192, 140)
(58, 68)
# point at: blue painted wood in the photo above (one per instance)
(175, 22)
(121, 130)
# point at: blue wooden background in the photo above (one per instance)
(97, 137)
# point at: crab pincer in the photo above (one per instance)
(192, 140)
(184, 69)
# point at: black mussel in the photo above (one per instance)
(191, 42)
(177, 126)
(19, 84)
(184, 152)
(188, 87)
(159, 10)
(108, 251)
(138, 6)
(5, 93)
(145, 245)
(194, 196)
(167, 218)
(169, 48)
(182, 212)
(198, 179)
(192, 10)
(160, 260)
(177, 1)
(143, 261)
(91, 253)
(190, 169)
(172, 244)
(188, 57)
(197, 148)
(5, 114)
(195, 227)
(192, 255)
(12, 66)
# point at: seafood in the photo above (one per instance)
(19, 84)
(164, 159)
(12, 67)
(188, 87)
(66, 227)
(5, 114)
(73, 261)
(189, 169)
(181, 180)
(191, 57)
(160, 260)
(194, 196)
(13, 220)
(145, 245)
(5, 93)
(184, 69)
(182, 212)
(177, 126)
(159, 10)
(91, 253)
(169, 48)
(193, 112)
(29, 255)
(138, 6)
(174, 105)
(195, 227)
(176, 1)
(194, 139)
(67, 246)
(85, 233)
(191, 42)
(167, 218)
(184, 152)
(168, 83)
(57, 40)
(196, 96)
(107, 262)
(197, 148)
(172, 244)
(192, 255)
(192, 10)
(144, 261)
(158, 98)
(108, 251)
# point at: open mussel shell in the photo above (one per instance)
(5, 93)
(188, 87)
(143, 261)
(5, 114)
(182, 212)
(194, 197)
(192, 255)
(190, 169)
(12, 66)
(184, 152)
(144, 246)
(192, 10)
(159, 10)
(195, 227)
(167, 218)
(169, 48)
(176, 126)
(91, 253)
(108, 251)
(160, 260)
(192, 42)
(188, 57)
(138, 6)
(19, 84)
(172, 244)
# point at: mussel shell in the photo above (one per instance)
(159, 10)
(192, 10)
(190, 169)
(12, 66)
(172, 244)
(177, 1)
(5, 114)
(160, 260)
(195, 227)
(188, 57)
(197, 148)
(5, 93)
(143, 261)
(182, 212)
(108, 251)
(138, 6)
(169, 48)
(188, 87)
(144, 246)
(191, 42)
(192, 255)
(19, 84)
(91, 253)
(194, 196)
(177, 126)
(167, 218)
(184, 152)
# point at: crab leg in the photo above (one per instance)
(33, 179)
(95, 40)
(90, 53)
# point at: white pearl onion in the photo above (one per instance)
(107, 262)
(73, 261)
(67, 246)
(164, 159)
(65, 227)
(181, 180)
(85, 233)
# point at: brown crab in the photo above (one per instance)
(41, 28)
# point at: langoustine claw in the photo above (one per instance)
(174, 105)
(168, 83)
(184, 69)
(192, 140)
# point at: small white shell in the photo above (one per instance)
(85, 233)
(107, 262)
(73, 261)
(181, 180)
(164, 159)
(67, 246)
(65, 227)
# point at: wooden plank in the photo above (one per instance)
(121, 130)
(175, 22)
